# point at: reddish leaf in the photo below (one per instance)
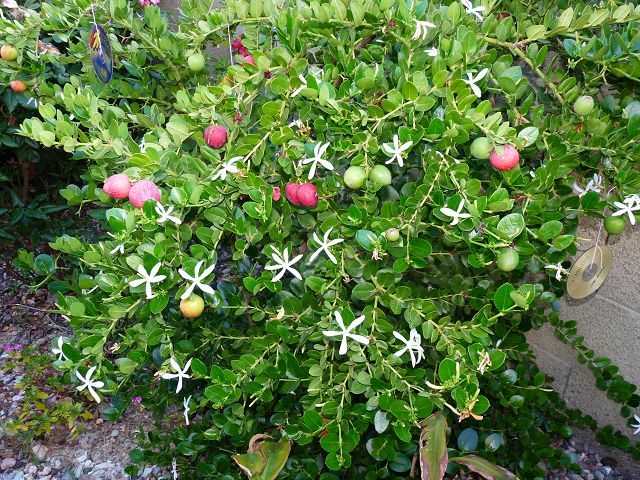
(484, 467)
(433, 447)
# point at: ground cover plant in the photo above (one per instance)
(323, 251)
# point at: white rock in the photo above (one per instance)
(40, 451)
(7, 463)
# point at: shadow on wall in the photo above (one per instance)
(610, 322)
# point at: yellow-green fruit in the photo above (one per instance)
(354, 177)
(380, 175)
(392, 234)
(481, 148)
(8, 52)
(196, 62)
(192, 306)
(614, 225)
(507, 259)
(583, 106)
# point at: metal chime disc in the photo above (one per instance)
(101, 55)
(589, 272)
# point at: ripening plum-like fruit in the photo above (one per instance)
(504, 157)
(583, 106)
(249, 59)
(481, 148)
(392, 234)
(192, 306)
(8, 52)
(507, 259)
(354, 177)
(117, 186)
(308, 195)
(615, 225)
(215, 136)
(196, 62)
(291, 191)
(143, 190)
(18, 86)
(380, 175)
(276, 194)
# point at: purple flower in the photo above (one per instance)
(136, 400)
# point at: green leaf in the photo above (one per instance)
(433, 447)
(367, 239)
(44, 264)
(363, 291)
(483, 467)
(447, 369)
(502, 298)
(511, 225)
(549, 229)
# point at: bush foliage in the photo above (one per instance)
(480, 258)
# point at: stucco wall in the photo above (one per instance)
(610, 322)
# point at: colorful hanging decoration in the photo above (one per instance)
(101, 55)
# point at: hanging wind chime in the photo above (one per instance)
(101, 55)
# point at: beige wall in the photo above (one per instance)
(610, 322)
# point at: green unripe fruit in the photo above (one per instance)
(481, 148)
(614, 225)
(196, 62)
(507, 259)
(392, 234)
(583, 106)
(380, 175)
(354, 177)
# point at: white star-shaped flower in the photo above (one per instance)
(637, 426)
(422, 29)
(89, 384)
(471, 81)
(148, 278)
(432, 52)
(165, 214)
(302, 86)
(318, 150)
(58, 350)
(185, 404)
(118, 249)
(345, 332)
(395, 150)
(283, 264)
(412, 345)
(471, 10)
(629, 205)
(324, 246)
(456, 215)
(560, 270)
(197, 279)
(180, 373)
(227, 167)
(296, 123)
(592, 186)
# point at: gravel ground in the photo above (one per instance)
(100, 451)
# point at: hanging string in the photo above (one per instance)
(229, 38)
(93, 13)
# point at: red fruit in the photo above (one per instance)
(238, 117)
(236, 44)
(143, 190)
(267, 74)
(506, 160)
(276, 194)
(18, 86)
(243, 51)
(291, 191)
(249, 59)
(502, 15)
(117, 186)
(215, 136)
(308, 195)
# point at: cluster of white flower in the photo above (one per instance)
(628, 206)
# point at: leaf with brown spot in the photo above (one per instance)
(433, 447)
(484, 467)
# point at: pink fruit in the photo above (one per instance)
(276, 194)
(18, 86)
(291, 191)
(505, 160)
(117, 186)
(237, 44)
(143, 190)
(249, 59)
(215, 136)
(308, 195)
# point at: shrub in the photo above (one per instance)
(319, 328)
